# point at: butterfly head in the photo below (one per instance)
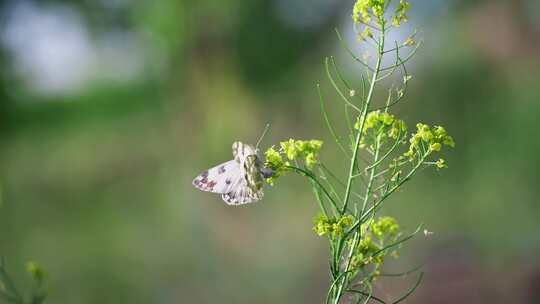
(266, 172)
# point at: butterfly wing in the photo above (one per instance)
(220, 179)
(249, 188)
(238, 180)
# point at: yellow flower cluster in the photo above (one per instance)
(306, 148)
(401, 13)
(364, 10)
(385, 226)
(429, 139)
(383, 124)
(275, 161)
(332, 226)
(375, 235)
(278, 160)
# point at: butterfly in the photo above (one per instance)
(240, 180)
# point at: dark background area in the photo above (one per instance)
(109, 108)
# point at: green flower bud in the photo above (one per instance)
(407, 78)
(439, 131)
(449, 141)
(435, 147)
(35, 270)
(424, 132)
(441, 164)
(399, 128)
(273, 158)
(366, 33)
(409, 42)
(274, 161)
(386, 118)
(315, 145)
(290, 148)
(347, 220)
(310, 160)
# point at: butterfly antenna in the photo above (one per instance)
(262, 136)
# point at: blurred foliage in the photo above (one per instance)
(96, 183)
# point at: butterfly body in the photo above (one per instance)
(240, 180)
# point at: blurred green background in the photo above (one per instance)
(109, 108)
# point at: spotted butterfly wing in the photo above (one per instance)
(219, 179)
(238, 181)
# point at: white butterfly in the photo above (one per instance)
(239, 181)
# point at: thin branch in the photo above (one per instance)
(394, 146)
(340, 76)
(329, 183)
(372, 176)
(342, 184)
(359, 132)
(369, 296)
(313, 178)
(394, 244)
(9, 298)
(394, 67)
(379, 187)
(352, 53)
(386, 195)
(7, 279)
(402, 274)
(332, 81)
(402, 45)
(363, 87)
(369, 25)
(410, 290)
(317, 190)
(334, 284)
(350, 125)
(366, 294)
(328, 123)
(406, 58)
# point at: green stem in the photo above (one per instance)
(354, 159)
(9, 284)
(333, 284)
(314, 179)
(357, 234)
(328, 124)
(369, 296)
(363, 120)
(394, 146)
(371, 176)
(333, 82)
(347, 267)
(317, 190)
(386, 195)
(10, 298)
(410, 290)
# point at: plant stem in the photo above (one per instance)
(314, 179)
(386, 195)
(371, 176)
(15, 295)
(357, 234)
(363, 120)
